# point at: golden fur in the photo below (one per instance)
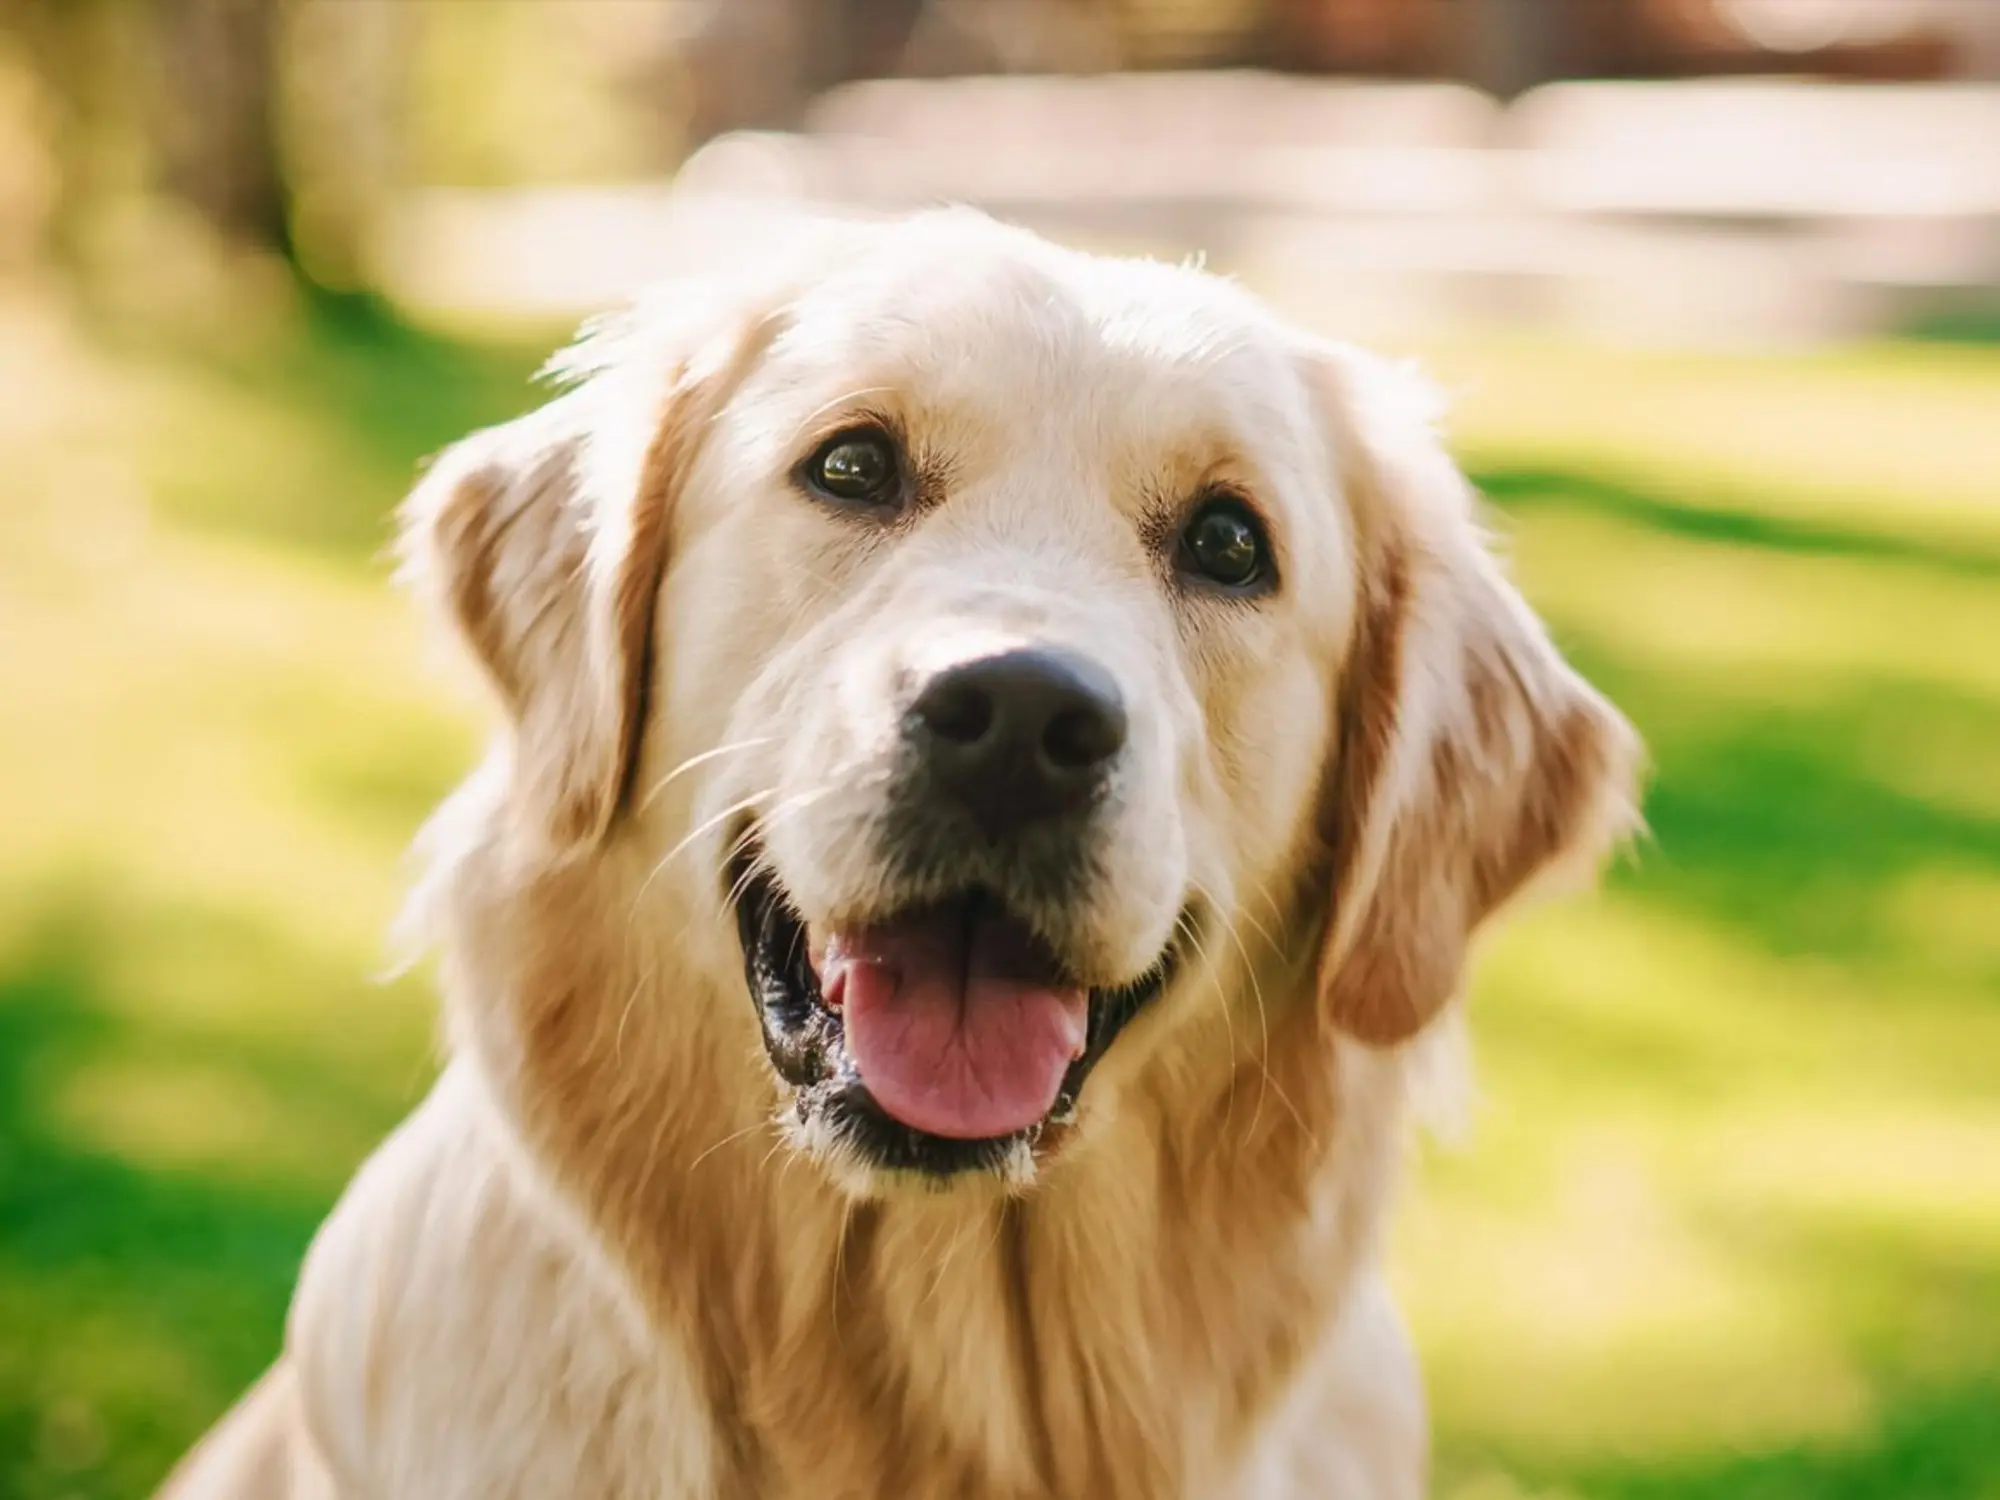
(601, 1260)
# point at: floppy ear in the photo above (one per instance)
(543, 543)
(1469, 757)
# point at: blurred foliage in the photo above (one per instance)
(207, 129)
(1728, 1223)
(595, 104)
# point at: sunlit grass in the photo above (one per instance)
(217, 733)
(1896, 441)
(1727, 1224)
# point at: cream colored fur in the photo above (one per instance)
(601, 1260)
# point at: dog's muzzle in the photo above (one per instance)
(949, 1029)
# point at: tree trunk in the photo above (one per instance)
(217, 125)
(1516, 44)
(346, 94)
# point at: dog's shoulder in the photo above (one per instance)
(454, 1335)
(259, 1451)
(1357, 1427)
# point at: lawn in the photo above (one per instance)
(1727, 1219)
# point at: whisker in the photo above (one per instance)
(1191, 934)
(639, 896)
(1193, 937)
(744, 842)
(1270, 940)
(701, 759)
(625, 1014)
(734, 1135)
(707, 825)
(840, 1269)
(1270, 1083)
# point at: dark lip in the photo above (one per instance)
(804, 1041)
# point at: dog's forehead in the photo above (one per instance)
(964, 315)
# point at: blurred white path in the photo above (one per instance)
(1722, 212)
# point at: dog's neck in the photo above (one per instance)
(954, 1342)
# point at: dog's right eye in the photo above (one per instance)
(856, 468)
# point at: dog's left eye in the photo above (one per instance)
(856, 468)
(1223, 543)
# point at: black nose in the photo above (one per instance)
(1019, 737)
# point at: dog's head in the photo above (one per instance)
(996, 659)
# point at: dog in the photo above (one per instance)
(1003, 753)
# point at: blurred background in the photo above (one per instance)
(1716, 285)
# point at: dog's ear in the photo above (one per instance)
(1468, 757)
(542, 543)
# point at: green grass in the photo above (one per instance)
(1728, 1220)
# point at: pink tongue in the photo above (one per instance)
(953, 1032)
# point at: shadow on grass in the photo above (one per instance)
(1527, 489)
(1906, 1302)
(1976, 327)
(1940, 1445)
(137, 1301)
(1773, 825)
(1939, 1442)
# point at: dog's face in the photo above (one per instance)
(1017, 655)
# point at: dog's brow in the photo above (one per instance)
(846, 398)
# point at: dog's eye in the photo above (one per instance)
(856, 468)
(1224, 544)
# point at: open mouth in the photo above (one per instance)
(945, 1038)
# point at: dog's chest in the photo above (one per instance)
(971, 1361)
(918, 1354)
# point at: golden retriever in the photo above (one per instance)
(1004, 754)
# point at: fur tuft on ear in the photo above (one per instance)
(542, 544)
(1470, 758)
